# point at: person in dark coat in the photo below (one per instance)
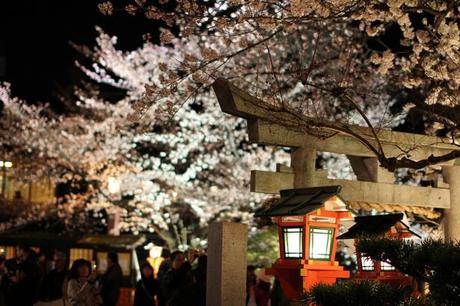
(251, 280)
(3, 280)
(52, 284)
(147, 289)
(262, 288)
(162, 271)
(193, 294)
(22, 290)
(178, 276)
(10, 268)
(111, 281)
(277, 297)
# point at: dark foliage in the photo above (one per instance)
(350, 293)
(434, 262)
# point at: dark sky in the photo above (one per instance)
(35, 36)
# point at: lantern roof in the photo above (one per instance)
(301, 201)
(375, 225)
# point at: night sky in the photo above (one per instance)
(35, 36)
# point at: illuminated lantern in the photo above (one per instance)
(390, 226)
(307, 220)
(155, 259)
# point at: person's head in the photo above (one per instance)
(17, 195)
(112, 259)
(177, 259)
(11, 266)
(59, 260)
(2, 263)
(251, 274)
(165, 253)
(264, 280)
(200, 273)
(41, 258)
(202, 263)
(147, 270)
(23, 252)
(81, 268)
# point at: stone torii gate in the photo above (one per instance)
(375, 185)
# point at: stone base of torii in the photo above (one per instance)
(226, 283)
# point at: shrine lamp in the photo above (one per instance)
(389, 226)
(307, 220)
(297, 225)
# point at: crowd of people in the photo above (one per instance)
(32, 279)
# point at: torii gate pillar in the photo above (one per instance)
(452, 215)
(303, 161)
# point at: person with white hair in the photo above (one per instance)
(262, 288)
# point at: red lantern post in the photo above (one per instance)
(391, 226)
(308, 221)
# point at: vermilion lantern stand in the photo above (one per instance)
(390, 226)
(308, 221)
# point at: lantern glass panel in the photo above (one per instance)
(321, 242)
(384, 266)
(367, 264)
(293, 245)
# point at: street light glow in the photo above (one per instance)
(6, 164)
(113, 185)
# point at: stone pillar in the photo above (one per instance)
(226, 269)
(303, 162)
(368, 169)
(452, 216)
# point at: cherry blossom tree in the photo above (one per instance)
(324, 60)
(163, 176)
(201, 156)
